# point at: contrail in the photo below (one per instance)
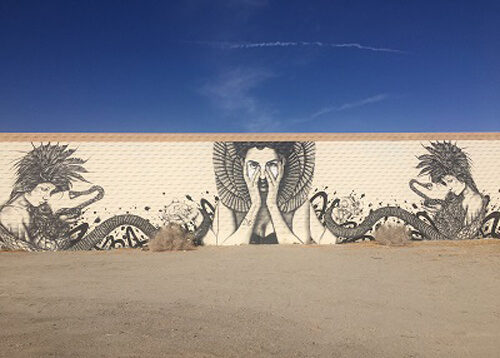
(364, 102)
(343, 107)
(250, 45)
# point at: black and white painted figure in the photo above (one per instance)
(455, 207)
(42, 206)
(263, 189)
(451, 197)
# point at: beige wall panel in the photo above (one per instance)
(142, 177)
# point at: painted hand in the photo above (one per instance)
(253, 186)
(273, 184)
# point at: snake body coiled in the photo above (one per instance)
(107, 226)
(359, 231)
(89, 241)
(436, 231)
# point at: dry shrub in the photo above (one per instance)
(170, 238)
(4, 247)
(392, 234)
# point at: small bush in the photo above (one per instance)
(170, 238)
(392, 234)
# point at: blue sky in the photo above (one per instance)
(249, 66)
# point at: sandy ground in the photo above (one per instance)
(357, 300)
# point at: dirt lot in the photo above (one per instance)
(357, 300)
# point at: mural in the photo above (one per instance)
(265, 195)
(264, 190)
(41, 208)
(454, 207)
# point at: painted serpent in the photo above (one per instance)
(89, 241)
(451, 195)
(449, 221)
(42, 206)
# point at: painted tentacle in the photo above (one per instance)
(428, 200)
(74, 194)
(107, 226)
(202, 229)
(359, 231)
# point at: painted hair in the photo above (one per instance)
(445, 158)
(283, 149)
(49, 163)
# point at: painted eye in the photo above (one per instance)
(273, 168)
(253, 167)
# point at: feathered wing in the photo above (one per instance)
(298, 177)
(294, 187)
(229, 177)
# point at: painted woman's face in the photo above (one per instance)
(40, 194)
(262, 159)
(454, 185)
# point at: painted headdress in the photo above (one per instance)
(228, 158)
(49, 163)
(446, 158)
